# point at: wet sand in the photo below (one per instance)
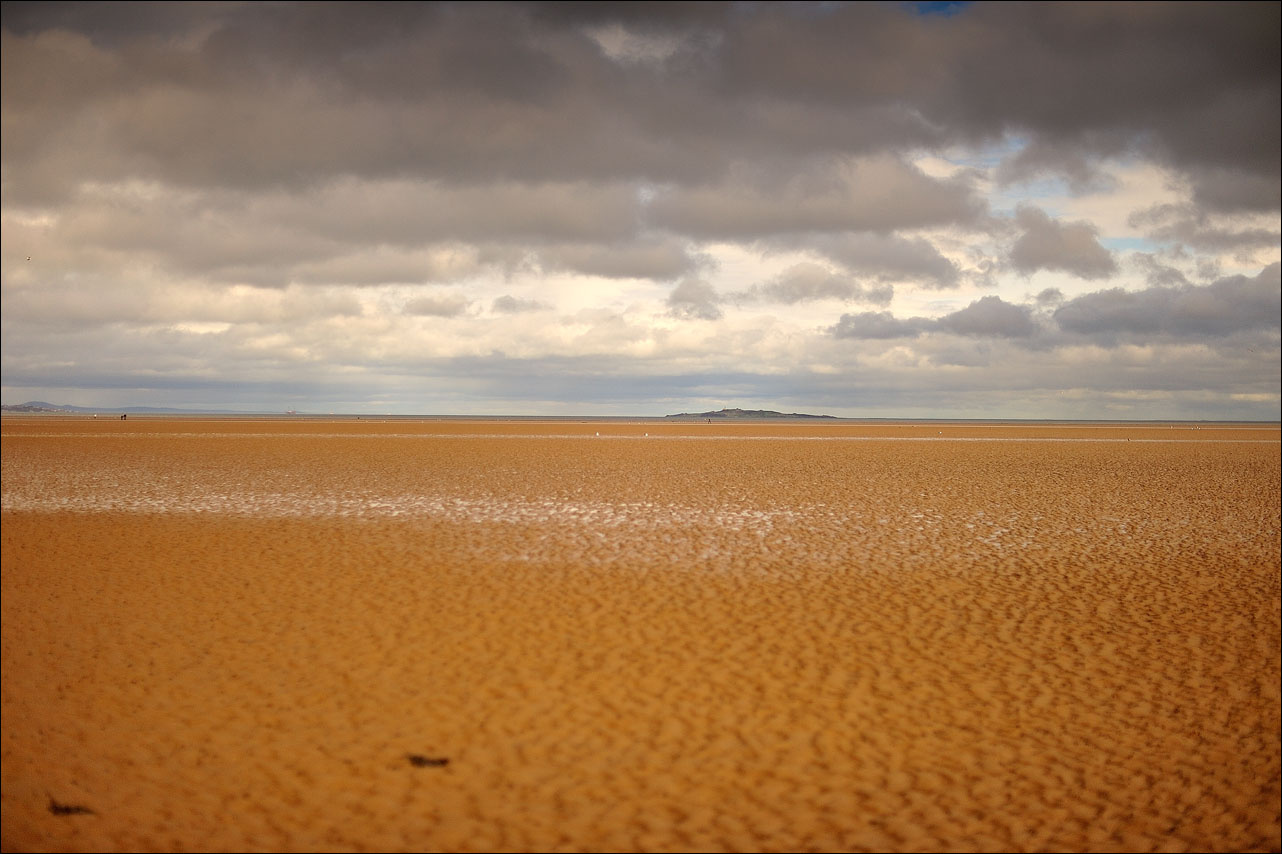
(266, 634)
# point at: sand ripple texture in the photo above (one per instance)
(266, 636)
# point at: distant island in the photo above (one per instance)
(748, 413)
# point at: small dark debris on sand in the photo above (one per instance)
(68, 809)
(420, 761)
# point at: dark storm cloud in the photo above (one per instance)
(1230, 305)
(1234, 188)
(289, 94)
(1048, 244)
(1195, 85)
(109, 23)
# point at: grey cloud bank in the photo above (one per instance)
(1228, 306)
(428, 207)
(1224, 308)
(1049, 245)
(289, 93)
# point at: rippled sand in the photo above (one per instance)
(265, 635)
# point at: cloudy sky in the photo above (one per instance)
(876, 209)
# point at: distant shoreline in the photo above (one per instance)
(829, 421)
(40, 409)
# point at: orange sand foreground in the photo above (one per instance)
(221, 635)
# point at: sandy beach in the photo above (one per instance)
(312, 635)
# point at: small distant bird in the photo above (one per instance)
(28, 257)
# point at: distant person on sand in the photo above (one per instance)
(124, 417)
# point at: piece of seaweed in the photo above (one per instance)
(420, 761)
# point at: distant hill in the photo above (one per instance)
(33, 406)
(747, 413)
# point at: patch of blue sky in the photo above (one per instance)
(937, 9)
(1130, 244)
(942, 306)
(986, 156)
(1042, 193)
